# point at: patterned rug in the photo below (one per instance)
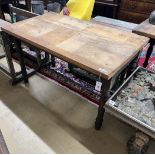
(151, 63)
(83, 86)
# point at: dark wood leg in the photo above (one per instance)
(132, 66)
(149, 52)
(52, 61)
(103, 99)
(21, 60)
(28, 4)
(70, 67)
(2, 14)
(46, 57)
(122, 76)
(7, 47)
(114, 12)
(38, 53)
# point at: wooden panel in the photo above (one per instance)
(136, 10)
(89, 45)
(132, 17)
(145, 29)
(135, 6)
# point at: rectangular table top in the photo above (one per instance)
(97, 48)
(145, 29)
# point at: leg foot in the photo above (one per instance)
(104, 97)
(99, 119)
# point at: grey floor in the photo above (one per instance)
(43, 117)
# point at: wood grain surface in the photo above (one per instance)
(91, 46)
(145, 29)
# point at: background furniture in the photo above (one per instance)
(135, 11)
(108, 8)
(4, 8)
(148, 30)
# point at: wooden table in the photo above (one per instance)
(99, 49)
(148, 30)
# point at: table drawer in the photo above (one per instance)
(132, 17)
(140, 7)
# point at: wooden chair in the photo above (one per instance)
(17, 11)
(4, 6)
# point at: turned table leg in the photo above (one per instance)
(149, 52)
(103, 99)
(21, 60)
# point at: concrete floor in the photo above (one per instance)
(43, 117)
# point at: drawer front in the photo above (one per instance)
(132, 17)
(139, 7)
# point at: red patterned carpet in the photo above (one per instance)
(151, 64)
